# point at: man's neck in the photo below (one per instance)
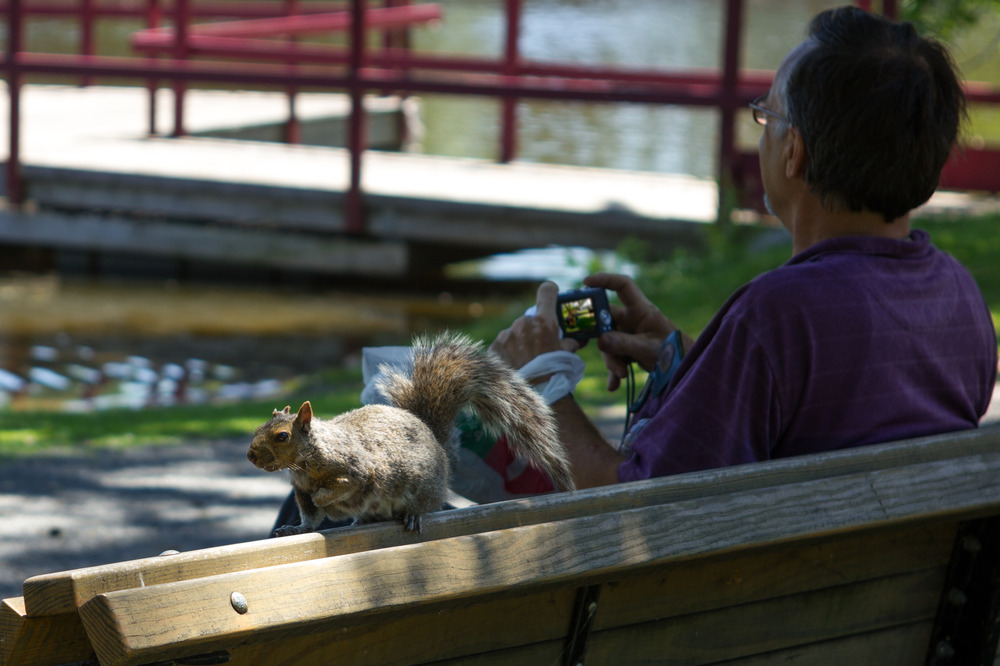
(817, 225)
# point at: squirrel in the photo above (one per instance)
(393, 461)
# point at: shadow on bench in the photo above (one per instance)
(858, 556)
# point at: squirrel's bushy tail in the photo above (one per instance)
(450, 371)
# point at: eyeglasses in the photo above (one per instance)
(761, 113)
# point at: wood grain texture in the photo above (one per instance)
(524, 625)
(745, 630)
(899, 646)
(47, 641)
(693, 586)
(186, 617)
(64, 592)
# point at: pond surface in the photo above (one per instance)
(88, 345)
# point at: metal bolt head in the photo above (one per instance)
(944, 649)
(971, 544)
(239, 603)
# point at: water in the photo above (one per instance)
(680, 34)
(83, 345)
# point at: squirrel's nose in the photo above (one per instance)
(252, 457)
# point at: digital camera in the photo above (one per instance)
(584, 313)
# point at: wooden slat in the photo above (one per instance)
(776, 624)
(532, 624)
(550, 654)
(187, 617)
(28, 641)
(905, 645)
(695, 586)
(63, 592)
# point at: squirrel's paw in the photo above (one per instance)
(411, 522)
(290, 530)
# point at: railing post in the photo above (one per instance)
(293, 131)
(153, 16)
(354, 211)
(728, 103)
(395, 38)
(87, 34)
(399, 37)
(14, 37)
(890, 8)
(182, 18)
(508, 132)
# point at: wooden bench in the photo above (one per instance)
(883, 554)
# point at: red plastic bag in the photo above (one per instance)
(530, 481)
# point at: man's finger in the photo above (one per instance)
(545, 300)
(613, 382)
(628, 291)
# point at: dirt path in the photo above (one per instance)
(60, 512)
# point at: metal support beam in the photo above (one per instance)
(967, 626)
(583, 619)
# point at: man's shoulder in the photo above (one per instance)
(848, 265)
(792, 283)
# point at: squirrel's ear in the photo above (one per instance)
(287, 409)
(304, 417)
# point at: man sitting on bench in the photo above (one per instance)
(867, 334)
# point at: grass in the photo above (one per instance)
(31, 431)
(688, 287)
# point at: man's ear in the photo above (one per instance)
(304, 416)
(795, 154)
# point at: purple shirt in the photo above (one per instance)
(854, 341)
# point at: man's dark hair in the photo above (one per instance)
(879, 109)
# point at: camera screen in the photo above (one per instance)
(578, 315)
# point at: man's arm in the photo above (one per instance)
(594, 462)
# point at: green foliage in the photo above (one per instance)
(946, 17)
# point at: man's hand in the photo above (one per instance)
(640, 328)
(530, 336)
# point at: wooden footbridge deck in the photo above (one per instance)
(96, 180)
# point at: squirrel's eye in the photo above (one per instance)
(282, 436)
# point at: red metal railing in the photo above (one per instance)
(174, 54)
